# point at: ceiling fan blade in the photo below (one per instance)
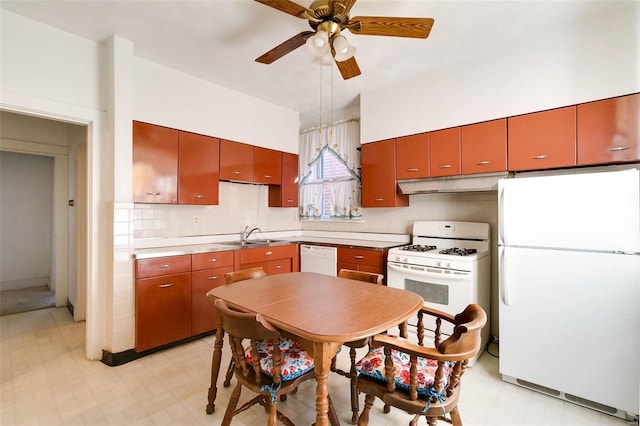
(349, 68)
(282, 49)
(390, 26)
(289, 7)
(341, 9)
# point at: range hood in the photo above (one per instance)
(460, 183)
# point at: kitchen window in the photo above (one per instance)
(330, 184)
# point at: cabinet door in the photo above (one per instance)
(379, 186)
(163, 310)
(155, 164)
(609, 130)
(412, 156)
(444, 152)
(203, 312)
(542, 140)
(198, 169)
(286, 194)
(267, 166)
(484, 147)
(363, 268)
(236, 161)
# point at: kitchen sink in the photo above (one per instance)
(248, 243)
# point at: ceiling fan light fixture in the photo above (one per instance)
(318, 44)
(344, 50)
(325, 60)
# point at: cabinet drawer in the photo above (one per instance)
(259, 254)
(279, 266)
(360, 256)
(163, 266)
(210, 260)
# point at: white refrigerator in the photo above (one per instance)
(569, 280)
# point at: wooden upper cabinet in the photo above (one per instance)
(267, 166)
(484, 147)
(236, 161)
(542, 140)
(444, 152)
(155, 164)
(379, 187)
(609, 130)
(286, 194)
(412, 156)
(198, 169)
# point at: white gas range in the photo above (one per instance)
(448, 264)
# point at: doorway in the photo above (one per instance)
(50, 148)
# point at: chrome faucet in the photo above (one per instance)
(245, 234)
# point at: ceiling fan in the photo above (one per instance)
(327, 18)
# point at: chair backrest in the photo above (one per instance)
(244, 274)
(241, 326)
(466, 338)
(369, 277)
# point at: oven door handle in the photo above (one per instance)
(422, 272)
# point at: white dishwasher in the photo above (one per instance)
(320, 259)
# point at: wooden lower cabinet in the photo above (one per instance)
(273, 259)
(361, 259)
(163, 310)
(203, 312)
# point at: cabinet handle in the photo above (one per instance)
(212, 277)
(198, 196)
(165, 266)
(483, 163)
(279, 267)
(358, 256)
(618, 148)
(289, 201)
(167, 285)
(269, 253)
(213, 260)
(155, 194)
(235, 172)
(539, 157)
(268, 176)
(378, 199)
(412, 170)
(445, 166)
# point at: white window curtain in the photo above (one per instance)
(343, 140)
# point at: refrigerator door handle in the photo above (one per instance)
(502, 281)
(501, 214)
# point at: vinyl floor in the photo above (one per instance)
(45, 379)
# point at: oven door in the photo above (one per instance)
(446, 290)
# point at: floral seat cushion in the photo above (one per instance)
(372, 365)
(295, 361)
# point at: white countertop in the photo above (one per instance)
(203, 244)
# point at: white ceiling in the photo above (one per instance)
(218, 40)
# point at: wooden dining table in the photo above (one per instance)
(318, 311)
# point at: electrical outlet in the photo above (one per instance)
(196, 220)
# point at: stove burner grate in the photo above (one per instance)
(418, 247)
(459, 251)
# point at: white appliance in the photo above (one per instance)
(448, 264)
(569, 261)
(320, 259)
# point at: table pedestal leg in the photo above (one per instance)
(215, 369)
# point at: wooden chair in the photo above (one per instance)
(352, 375)
(230, 278)
(420, 380)
(261, 369)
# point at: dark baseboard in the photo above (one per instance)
(116, 359)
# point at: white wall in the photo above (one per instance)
(593, 60)
(171, 98)
(26, 220)
(50, 73)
